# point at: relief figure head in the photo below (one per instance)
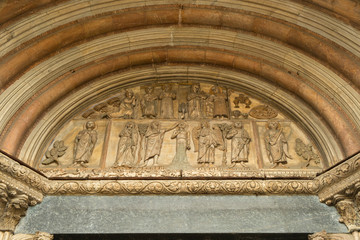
(90, 125)
(149, 89)
(195, 88)
(129, 94)
(238, 125)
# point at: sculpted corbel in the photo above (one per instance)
(13, 206)
(349, 213)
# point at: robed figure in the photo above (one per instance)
(154, 137)
(126, 150)
(276, 144)
(182, 137)
(84, 144)
(207, 140)
(240, 141)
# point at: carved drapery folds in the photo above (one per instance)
(13, 205)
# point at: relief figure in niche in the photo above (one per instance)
(84, 144)
(154, 137)
(194, 99)
(219, 102)
(207, 140)
(182, 137)
(276, 144)
(167, 107)
(240, 141)
(127, 105)
(127, 146)
(149, 103)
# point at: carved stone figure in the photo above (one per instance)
(349, 213)
(154, 137)
(167, 107)
(276, 144)
(207, 140)
(84, 144)
(219, 99)
(306, 151)
(127, 105)
(127, 146)
(52, 156)
(182, 137)
(149, 103)
(224, 128)
(182, 109)
(240, 141)
(13, 206)
(194, 99)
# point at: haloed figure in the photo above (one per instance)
(167, 106)
(127, 105)
(240, 141)
(194, 99)
(276, 144)
(149, 103)
(182, 144)
(127, 146)
(154, 137)
(84, 144)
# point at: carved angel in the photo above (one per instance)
(127, 105)
(276, 144)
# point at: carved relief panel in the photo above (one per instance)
(181, 130)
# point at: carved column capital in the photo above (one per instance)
(13, 206)
(349, 213)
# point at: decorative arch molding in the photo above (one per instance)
(100, 89)
(263, 60)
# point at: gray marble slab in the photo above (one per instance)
(181, 214)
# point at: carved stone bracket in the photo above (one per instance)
(13, 205)
(342, 190)
(333, 236)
